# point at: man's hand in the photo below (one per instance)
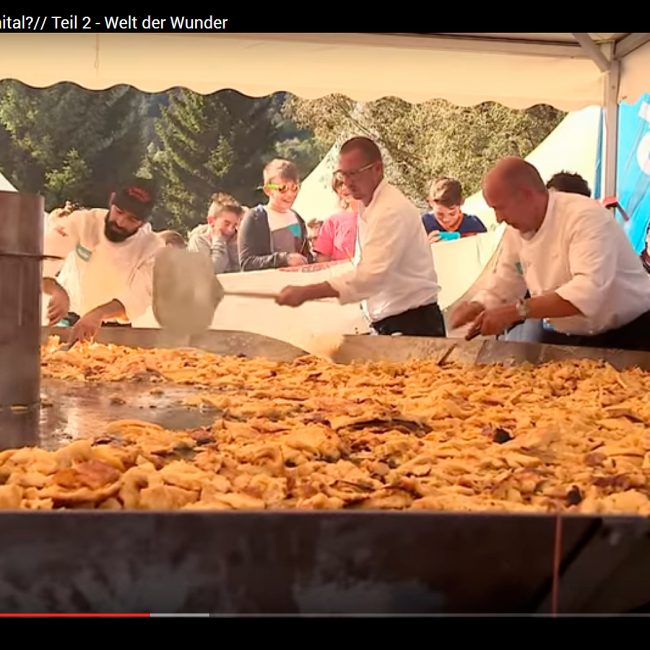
(86, 327)
(491, 322)
(59, 304)
(434, 236)
(292, 296)
(465, 313)
(296, 259)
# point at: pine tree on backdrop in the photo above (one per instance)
(207, 144)
(69, 143)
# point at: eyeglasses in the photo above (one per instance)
(342, 176)
(283, 188)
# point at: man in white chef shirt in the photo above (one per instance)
(114, 253)
(394, 276)
(583, 276)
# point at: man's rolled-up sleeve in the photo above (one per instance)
(593, 264)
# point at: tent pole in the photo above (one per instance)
(604, 58)
(612, 81)
(593, 51)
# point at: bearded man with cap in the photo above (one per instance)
(113, 251)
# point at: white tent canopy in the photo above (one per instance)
(568, 70)
(517, 70)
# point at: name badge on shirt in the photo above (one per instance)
(83, 253)
(294, 229)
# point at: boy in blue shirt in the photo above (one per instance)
(446, 219)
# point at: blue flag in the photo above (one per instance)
(633, 169)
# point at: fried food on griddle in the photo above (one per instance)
(571, 436)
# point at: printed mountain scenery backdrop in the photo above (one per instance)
(72, 144)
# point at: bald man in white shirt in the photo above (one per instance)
(394, 273)
(584, 278)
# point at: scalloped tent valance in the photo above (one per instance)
(518, 70)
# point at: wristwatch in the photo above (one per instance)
(522, 309)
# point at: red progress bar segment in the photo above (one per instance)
(41, 615)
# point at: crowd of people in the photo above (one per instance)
(564, 262)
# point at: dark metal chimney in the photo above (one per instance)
(21, 249)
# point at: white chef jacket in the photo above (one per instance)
(105, 270)
(583, 255)
(395, 272)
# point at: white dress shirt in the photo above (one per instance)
(582, 254)
(395, 271)
(105, 270)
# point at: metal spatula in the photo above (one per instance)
(186, 292)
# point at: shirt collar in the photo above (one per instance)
(548, 215)
(382, 184)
